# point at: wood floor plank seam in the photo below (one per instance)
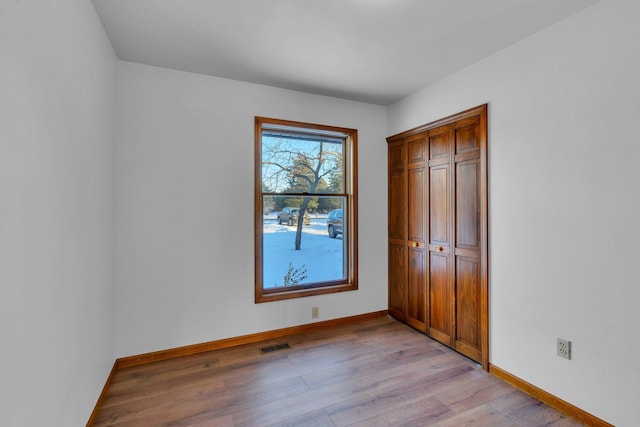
(372, 371)
(549, 399)
(188, 350)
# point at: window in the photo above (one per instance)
(305, 209)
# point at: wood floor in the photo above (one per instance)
(376, 372)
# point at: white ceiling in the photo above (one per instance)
(375, 51)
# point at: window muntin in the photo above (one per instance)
(304, 168)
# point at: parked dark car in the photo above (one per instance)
(334, 223)
(289, 216)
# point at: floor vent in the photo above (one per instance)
(274, 348)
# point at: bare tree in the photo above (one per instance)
(292, 167)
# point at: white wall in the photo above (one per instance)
(57, 149)
(564, 206)
(564, 202)
(185, 251)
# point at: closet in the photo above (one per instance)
(437, 184)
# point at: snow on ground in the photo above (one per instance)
(321, 255)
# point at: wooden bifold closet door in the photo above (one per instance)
(438, 279)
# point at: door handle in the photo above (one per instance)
(414, 244)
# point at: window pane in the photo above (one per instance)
(305, 171)
(302, 164)
(311, 253)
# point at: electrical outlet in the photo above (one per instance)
(315, 312)
(564, 348)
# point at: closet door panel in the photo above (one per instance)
(397, 192)
(397, 223)
(467, 299)
(439, 298)
(397, 202)
(416, 206)
(438, 268)
(439, 145)
(417, 290)
(397, 281)
(467, 238)
(467, 205)
(417, 281)
(416, 310)
(439, 205)
(416, 150)
(467, 135)
(440, 305)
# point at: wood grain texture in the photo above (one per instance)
(443, 218)
(397, 229)
(350, 159)
(560, 405)
(103, 393)
(172, 353)
(416, 212)
(372, 372)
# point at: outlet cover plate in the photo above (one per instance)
(564, 348)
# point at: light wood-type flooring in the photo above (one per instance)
(376, 372)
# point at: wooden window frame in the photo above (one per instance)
(350, 194)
